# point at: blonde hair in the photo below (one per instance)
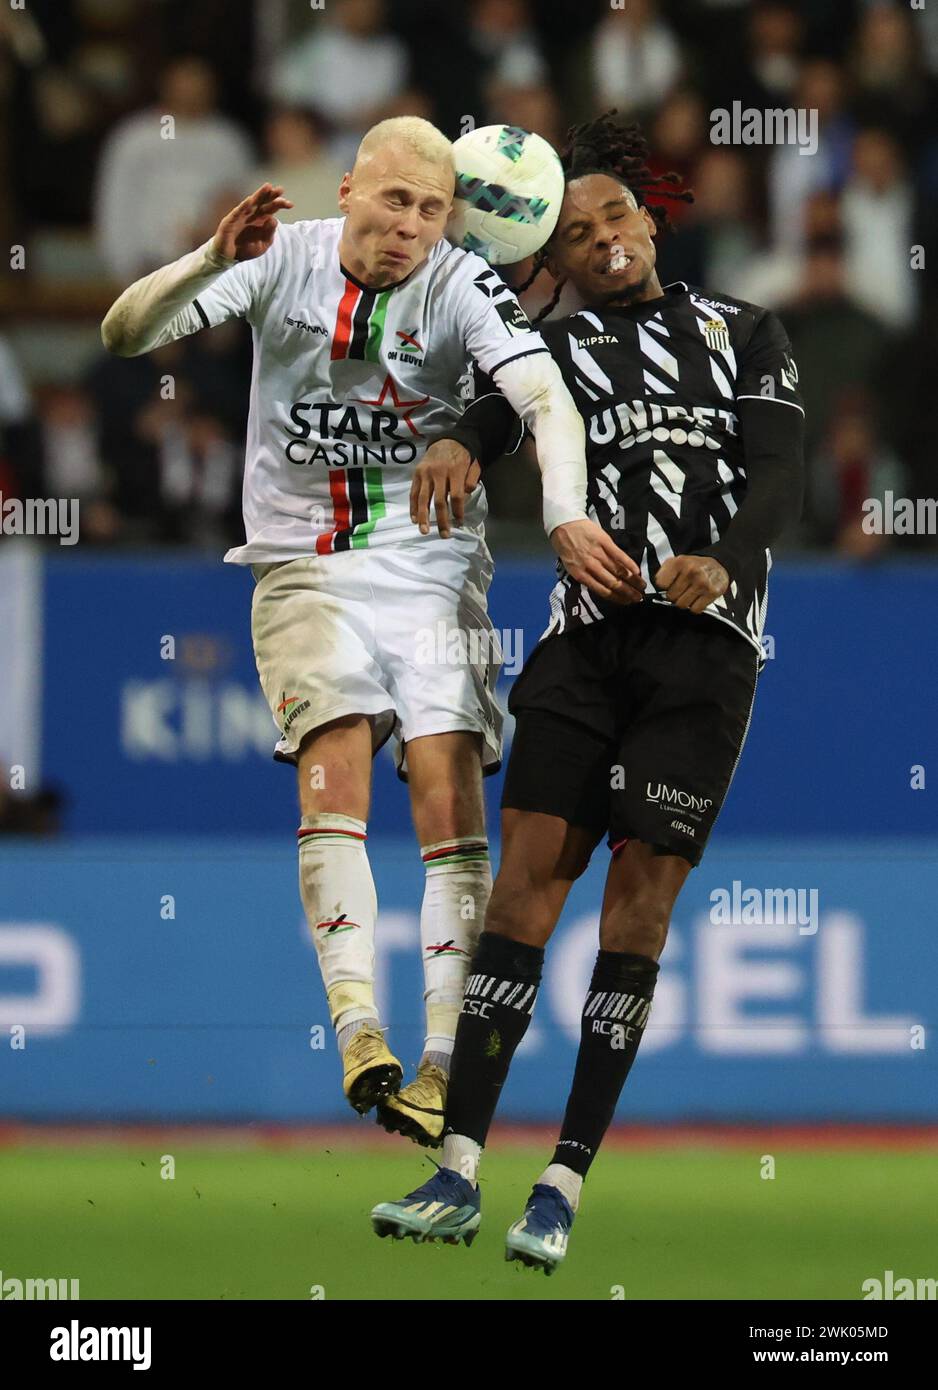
(420, 135)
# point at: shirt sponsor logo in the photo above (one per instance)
(684, 828)
(340, 434)
(660, 794)
(718, 304)
(635, 422)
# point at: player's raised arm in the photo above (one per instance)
(161, 306)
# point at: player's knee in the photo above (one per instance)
(333, 784)
(448, 810)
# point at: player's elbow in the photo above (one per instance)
(116, 335)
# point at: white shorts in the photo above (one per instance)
(400, 634)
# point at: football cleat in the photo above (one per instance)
(446, 1207)
(539, 1239)
(417, 1110)
(371, 1070)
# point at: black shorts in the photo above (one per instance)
(633, 726)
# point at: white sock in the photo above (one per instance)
(456, 895)
(462, 1155)
(565, 1180)
(346, 1031)
(341, 906)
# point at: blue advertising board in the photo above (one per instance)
(153, 719)
(147, 979)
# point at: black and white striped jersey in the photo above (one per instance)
(657, 384)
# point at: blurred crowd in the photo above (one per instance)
(130, 126)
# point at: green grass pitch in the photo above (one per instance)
(292, 1223)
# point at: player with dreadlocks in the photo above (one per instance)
(630, 716)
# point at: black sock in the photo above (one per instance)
(497, 1005)
(614, 1016)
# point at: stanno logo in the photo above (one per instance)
(445, 948)
(306, 327)
(662, 795)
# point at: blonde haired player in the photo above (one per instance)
(365, 330)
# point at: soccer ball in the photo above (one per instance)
(509, 187)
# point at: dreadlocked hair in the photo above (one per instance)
(601, 146)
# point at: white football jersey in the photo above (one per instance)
(350, 384)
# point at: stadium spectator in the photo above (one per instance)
(200, 476)
(635, 60)
(502, 35)
(349, 66)
(153, 172)
(793, 176)
(840, 349)
(71, 466)
(892, 85)
(531, 107)
(770, 73)
(909, 378)
(166, 423)
(718, 241)
(61, 145)
(14, 393)
(853, 464)
(878, 205)
(296, 159)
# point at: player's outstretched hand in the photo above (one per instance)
(692, 581)
(248, 230)
(593, 558)
(445, 476)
